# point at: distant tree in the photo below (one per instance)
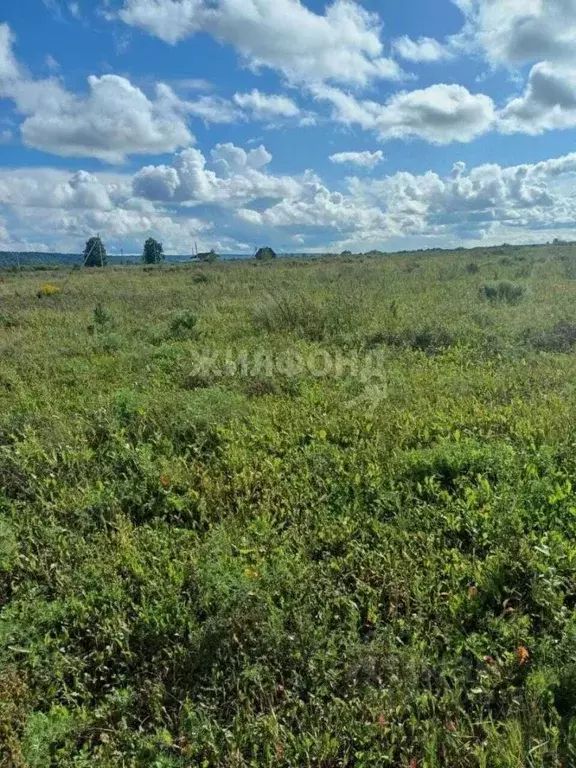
(153, 252)
(265, 254)
(95, 253)
(346, 253)
(208, 257)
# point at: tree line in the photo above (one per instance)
(95, 254)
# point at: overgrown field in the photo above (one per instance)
(365, 561)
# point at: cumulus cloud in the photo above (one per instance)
(46, 204)
(114, 119)
(237, 177)
(516, 32)
(233, 190)
(423, 50)
(549, 101)
(263, 106)
(467, 203)
(343, 44)
(440, 114)
(362, 159)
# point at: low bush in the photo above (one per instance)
(428, 339)
(48, 289)
(183, 325)
(504, 292)
(303, 317)
(560, 338)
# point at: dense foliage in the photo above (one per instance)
(153, 252)
(95, 253)
(265, 254)
(203, 565)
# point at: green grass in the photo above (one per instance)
(222, 567)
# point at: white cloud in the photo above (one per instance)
(45, 204)
(425, 49)
(342, 44)
(489, 201)
(9, 69)
(212, 109)
(263, 106)
(237, 178)
(363, 159)
(51, 63)
(549, 101)
(234, 192)
(516, 32)
(114, 119)
(440, 114)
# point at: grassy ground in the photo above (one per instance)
(364, 559)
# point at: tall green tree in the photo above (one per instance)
(153, 252)
(265, 254)
(95, 253)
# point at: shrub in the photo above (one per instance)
(504, 292)
(48, 289)
(472, 268)
(429, 340)
(306, 318)
(201, 278)
(101, 316)
(183, 325)
(560, 338)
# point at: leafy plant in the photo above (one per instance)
(503, 292)
(183, 325)
(48, 289)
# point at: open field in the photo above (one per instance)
(301, 513)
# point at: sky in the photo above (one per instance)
(299, 124)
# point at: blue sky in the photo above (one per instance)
(296, 123)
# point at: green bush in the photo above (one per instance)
(183, 325)
(560, 338)
(503, 292)
(301, 316)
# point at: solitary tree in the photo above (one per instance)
(95, 253)
(153, 252)
(265, 254)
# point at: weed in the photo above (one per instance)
(183, 325)
(48, 289)
(503, 292)
(560, 338)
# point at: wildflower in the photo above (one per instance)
(522, 655)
